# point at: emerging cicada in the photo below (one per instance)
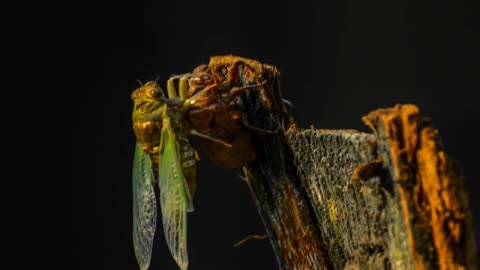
(208, 106)
(165, 156)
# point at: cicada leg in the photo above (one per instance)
(171, 91)
(205, 136)
(247, 125)
(237, 90)
(182, 86)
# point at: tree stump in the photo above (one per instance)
(343, 199)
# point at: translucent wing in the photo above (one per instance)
(174, 198)
(144, 207)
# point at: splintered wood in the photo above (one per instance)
(430, 188)
(391, 200)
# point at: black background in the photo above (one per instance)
(70, 138)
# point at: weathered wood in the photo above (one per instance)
(429, 187)
(351, 214)
(389, 200)
(275, 187)
(342, 199)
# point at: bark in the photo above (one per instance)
(342, 199)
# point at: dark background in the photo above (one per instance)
(70, 137)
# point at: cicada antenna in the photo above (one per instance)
(140, 82)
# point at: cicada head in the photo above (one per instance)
(148, 110)
(147, 98)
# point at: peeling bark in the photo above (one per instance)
(430, 188)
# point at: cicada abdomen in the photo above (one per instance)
(185, 149)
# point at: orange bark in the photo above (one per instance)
(430, 188)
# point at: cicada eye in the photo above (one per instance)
(205, 77)
(201, 79)
(153, 91)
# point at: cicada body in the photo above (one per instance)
(165, 157)
(217, 110)
(150, 108)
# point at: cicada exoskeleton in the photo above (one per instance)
(216, 109)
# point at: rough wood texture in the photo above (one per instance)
(351, 214)
(389, 200)
(392, 200)
(341, 199)
(429, 187)
(276, 189)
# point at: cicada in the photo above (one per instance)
(215, 109)
(163, 156)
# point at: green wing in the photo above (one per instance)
(174, 198)
(144, 207)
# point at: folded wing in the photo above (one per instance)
(174, 198)
(144, 207)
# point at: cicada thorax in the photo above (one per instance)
(147, 101)
(148, 134)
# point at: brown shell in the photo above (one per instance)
(214, 112)
(241, 153)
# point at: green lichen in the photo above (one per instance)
(332, 210)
